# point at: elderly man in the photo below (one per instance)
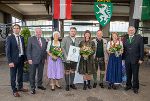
(101, 57)
(133, 56)
(36, 55)
(15, 52)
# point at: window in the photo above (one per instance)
(45, 25)
(119, 26)
(16, 21)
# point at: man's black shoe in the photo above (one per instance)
(67, 88)
(135, 91)
(101, 85)
(127, 88)
(73, 86)
(41, 87)
(33, 91)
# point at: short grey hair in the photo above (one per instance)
(131, 27)
(56, 32)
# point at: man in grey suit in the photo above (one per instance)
(70, 66)
(36, 55)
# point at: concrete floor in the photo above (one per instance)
(97, 94)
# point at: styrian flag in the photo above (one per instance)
(62, 9)
(142, 10)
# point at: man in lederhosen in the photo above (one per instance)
(70, 66)
(101, 57)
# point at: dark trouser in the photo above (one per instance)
(132, 69)
(17, 71)
(33, 68)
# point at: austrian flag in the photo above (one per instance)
(62, 9)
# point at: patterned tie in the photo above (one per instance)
(39, 42)
(18, 39)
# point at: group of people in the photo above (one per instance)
(103, 56)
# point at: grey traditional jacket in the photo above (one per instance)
(66, 42)
(104, 47)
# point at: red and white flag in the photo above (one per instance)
(62, 9)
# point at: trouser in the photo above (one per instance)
(132, 70)
(32, 74)
(17, 72)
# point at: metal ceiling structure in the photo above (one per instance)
(81, 9)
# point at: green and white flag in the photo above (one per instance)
(103, 12)
(142, 10)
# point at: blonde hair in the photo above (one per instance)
(112, 35)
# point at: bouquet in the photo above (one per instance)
(57, 52)
(116, 48)
(85, 51)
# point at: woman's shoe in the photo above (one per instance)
(109, 86)
(89, 86)
(53, 88)
(59, 87)
(114, 87)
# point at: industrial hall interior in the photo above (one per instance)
(74, 50)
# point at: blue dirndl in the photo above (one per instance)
(114, 69)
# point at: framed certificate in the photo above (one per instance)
(73, 54)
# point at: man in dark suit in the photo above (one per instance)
(36, 55)
(15, 52)
(133, 56)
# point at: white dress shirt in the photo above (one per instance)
(112, 43)
(21, 48)
(39, 39)
(73, 39)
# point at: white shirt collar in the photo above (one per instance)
(16, 34)
(73, 38)
(131, 36)
(39, 38)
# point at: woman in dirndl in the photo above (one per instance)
(114, 67)
(55, 69)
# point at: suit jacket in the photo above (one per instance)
(104, 48)
(12, 50)
(133, 52)
(35, 52)
(66, 42)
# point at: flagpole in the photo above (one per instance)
(55, 22)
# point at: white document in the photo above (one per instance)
(73, 54)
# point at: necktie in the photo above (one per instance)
(73, 42)
(39, 42)
(18, 39)
(130, 39)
